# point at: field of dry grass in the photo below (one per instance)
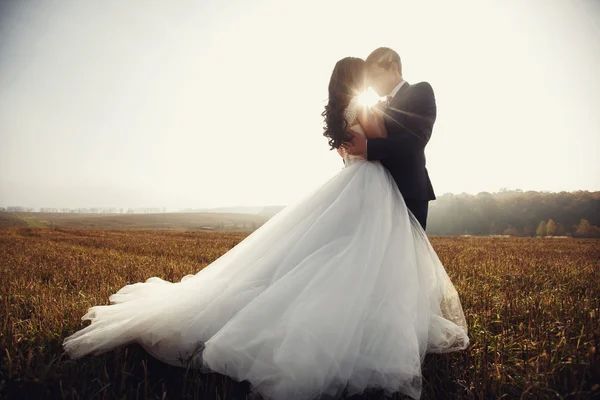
(532, 306)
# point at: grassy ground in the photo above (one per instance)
(532, 306)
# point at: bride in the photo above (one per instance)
(340, 291)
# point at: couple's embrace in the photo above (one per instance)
(340, 291)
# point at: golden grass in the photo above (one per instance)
(532, 306)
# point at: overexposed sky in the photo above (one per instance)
(179, 103)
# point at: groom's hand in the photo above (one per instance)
(358, 145)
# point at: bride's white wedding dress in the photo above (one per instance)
(342, 289)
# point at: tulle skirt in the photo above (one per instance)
(341, 290)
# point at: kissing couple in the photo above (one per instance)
(340, 292)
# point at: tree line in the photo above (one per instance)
(516, 213)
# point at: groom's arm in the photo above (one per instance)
(415, 125)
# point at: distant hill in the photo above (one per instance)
(267, 211)
(270, 211)
(169, 221)
(229, 210)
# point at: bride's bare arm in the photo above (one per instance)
(372, 124)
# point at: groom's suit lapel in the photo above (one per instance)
(400, 95)
(394, 110)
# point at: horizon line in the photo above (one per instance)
(208, 208)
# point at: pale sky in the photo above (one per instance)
(173, 103)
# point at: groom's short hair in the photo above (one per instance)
(384, 57)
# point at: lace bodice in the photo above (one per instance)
(350, 116)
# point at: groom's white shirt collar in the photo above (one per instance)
(395, 90)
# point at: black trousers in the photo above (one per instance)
(419, 208)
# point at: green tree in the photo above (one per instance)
(551, 228)
(541, 229)
(584, 229)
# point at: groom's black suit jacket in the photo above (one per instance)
(409, 120)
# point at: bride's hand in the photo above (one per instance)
(358, 145)
(377, 111)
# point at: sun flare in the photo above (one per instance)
(368, 98)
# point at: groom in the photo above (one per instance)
(409, 116)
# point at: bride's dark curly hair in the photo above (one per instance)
(347, 80)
